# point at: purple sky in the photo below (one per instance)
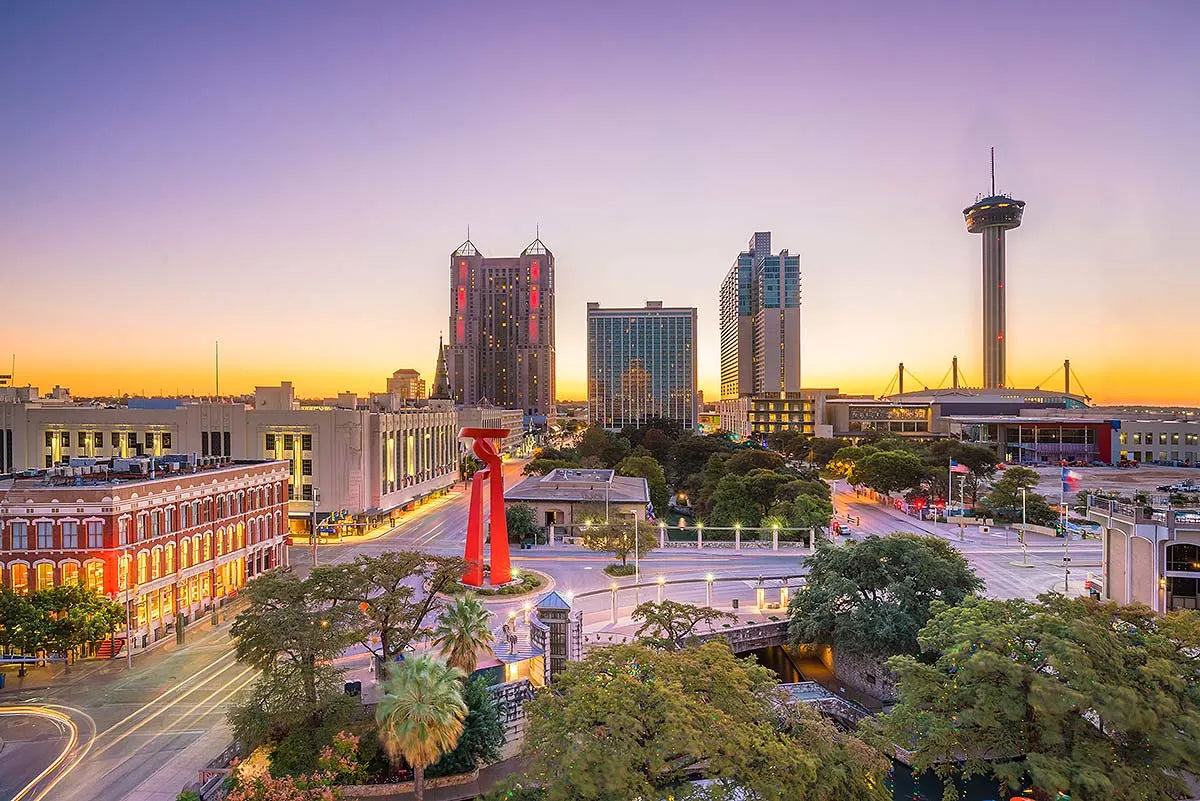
(289, 178)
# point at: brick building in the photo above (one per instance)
(168, 536)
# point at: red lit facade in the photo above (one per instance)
(502, 324)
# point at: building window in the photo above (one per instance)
(306, 492)
(154, 525)
(143, 567)
(115, 439)
(95, 534)
(19, 579)
(45, 534)
(20, 536)
(141, 527)
(204, 443)
(306, 442)
(70, 573)
(306, 467)
(287, 442)
(70, 534)
(1162, 438)
(99, 440)
(94, 576)
(156, 563)
(270, 445)
(123, 531)
(45, 576)
(49, 439)
(166, 520)
(166, 439)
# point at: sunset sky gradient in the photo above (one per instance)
(290, 177)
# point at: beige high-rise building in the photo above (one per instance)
(407, 383)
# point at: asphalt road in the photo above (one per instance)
(177, 695)
(29, 745)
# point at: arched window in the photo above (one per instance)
(18, 578)
(143, 567)
(45, 575)
(220, 541)
(169, 558)
(123, 568)
(197, 551)
(156, 563)
(70, 572)
(241, 538)
(208, 546)
(94, 575)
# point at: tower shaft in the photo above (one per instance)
(994, 362)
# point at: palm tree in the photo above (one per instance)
(462, 631)
(421, 714)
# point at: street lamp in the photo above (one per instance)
(316, 496)
(699, 535)
(613, 591)
(661, 581)
(708, 582)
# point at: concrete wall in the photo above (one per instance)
(1142, 563)
(1115, 575)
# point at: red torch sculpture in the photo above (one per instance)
(501, 571)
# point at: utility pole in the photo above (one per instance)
(316, 496)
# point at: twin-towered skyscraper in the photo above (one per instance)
(502, 329)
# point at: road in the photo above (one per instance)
(176, 697)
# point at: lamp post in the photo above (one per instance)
(737, 536)
(708, 582)
(316, 496)
(637, 573)
(128, 622)
(613, 590)
(661, 581)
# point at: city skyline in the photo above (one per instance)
(292, 183)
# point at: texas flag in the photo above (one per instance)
(955, 467)
(1069, 479)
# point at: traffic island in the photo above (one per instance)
(525, 583)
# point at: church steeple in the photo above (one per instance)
(441, 378)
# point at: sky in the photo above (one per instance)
(289, 179)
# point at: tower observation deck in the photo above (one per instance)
(992, 216)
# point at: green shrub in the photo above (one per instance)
(619, 570)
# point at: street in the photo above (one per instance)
(173, 703)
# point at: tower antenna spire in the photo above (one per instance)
(993, 172)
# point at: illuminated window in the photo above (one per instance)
(143, 567)
(45, 576)
(94, 576)
(156, 563)
(70, 573)
(18, 579)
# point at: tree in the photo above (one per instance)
(670, 625)
(888, 471)
(390, 595)
(823, 449)
(732, 503)
(763, 486)
(748, 459)
(656, 480)
(290, 788)
(288, 622)
(540, 467)
(691, 453)
(1004, 499)
(873, 597)
(463, 630)
(522, 522)
(275, 707)
(617, 537)
(421, 714)
(805, 511)
(482, 735)
(634, 722)
(979, 459)
(846, 458)
(1064, 695)
(659, 444)
(792, 489)
(57, 620)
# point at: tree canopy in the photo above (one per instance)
(671, 625)
(634, 722)
(873, 597)
(1064, 695)
(647, 467)
(617, 537)
(888, 471)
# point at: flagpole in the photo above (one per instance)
(1062, 511)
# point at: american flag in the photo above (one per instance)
(955, 467)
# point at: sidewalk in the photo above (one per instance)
(182, 769)
(54, 675)
(488, 778)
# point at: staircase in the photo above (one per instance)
(110, 648)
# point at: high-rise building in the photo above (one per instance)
(407, 383)
(502, 329)
(760, 322)
(641, 365)
(992, 216)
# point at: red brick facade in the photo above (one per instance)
(184, 538)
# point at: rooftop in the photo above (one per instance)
(1021, 419)
(581, 486)
(112, 472)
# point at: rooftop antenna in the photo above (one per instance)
(537, 230)
(468, 232)
(993, 172)
(217, 365)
